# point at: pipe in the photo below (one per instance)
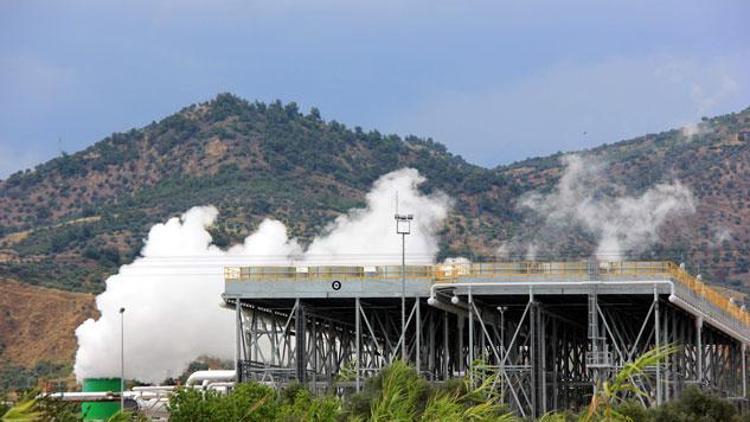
(437, 303)
(154, 388)
(454, 309)
(673, 298)
(210, 375)
(218, 386)
(76, 396)
(560, 284)
(215, 380)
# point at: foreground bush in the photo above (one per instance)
(252, 402)
(695, 405)
(398, 393)
(248, 402)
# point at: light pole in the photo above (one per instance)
(403, 227)
(122, 359)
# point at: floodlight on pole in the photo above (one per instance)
(403, 227)
(122, 359)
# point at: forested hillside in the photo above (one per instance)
(72, 220)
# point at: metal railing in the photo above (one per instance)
(550, 269)
(441, 272)
(599, 359)
(708, 293)
(269, 273)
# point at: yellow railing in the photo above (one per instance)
(707, 292)
(548, 269)
(266, 273)
(444, 272)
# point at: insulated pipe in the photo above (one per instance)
(103, 396)
(457, 309)
(437, 303)
(75, 396)
(217, 386)
(673, 298)
(154, 388)
(210, 376)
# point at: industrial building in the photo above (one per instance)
(549, 330)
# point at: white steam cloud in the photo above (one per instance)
(584, 198)
(721, 235)
(171, 294)
(691, 130)
(368, 235)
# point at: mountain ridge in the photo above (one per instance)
(83, 214)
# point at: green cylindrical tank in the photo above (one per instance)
(100, 411)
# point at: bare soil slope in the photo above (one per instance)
(38, 324)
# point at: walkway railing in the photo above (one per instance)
(267, 273)
(708, 293)
(549, 269)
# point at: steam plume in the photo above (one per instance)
(172, 292)
(367, 235)
(584, 198)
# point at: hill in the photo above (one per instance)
(73, 220)
(37, 328)
(79, 216)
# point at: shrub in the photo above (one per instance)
(299, 404)
(695, 405)
(253, 402)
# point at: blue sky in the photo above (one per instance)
(496, 81)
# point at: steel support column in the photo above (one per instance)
(358, 342)
(418, 329)
(657, 337)
(299, 333)
(471, 338)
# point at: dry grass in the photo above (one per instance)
(37, 324)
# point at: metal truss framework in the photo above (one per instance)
(548, 351)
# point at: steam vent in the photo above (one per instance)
(550, 329)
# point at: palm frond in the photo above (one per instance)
(24, 411)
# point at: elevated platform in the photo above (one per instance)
(504, 278)
(552, 330)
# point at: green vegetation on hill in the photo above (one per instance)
(15, 377)
(72, 220)
(251, 160)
